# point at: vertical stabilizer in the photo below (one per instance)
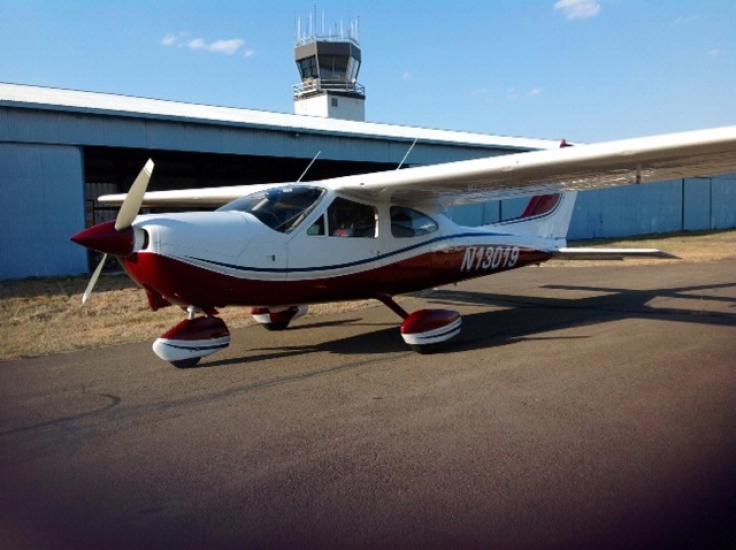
(546, 216)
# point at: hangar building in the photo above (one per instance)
(60, 149)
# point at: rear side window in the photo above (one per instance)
(351, 219)
(406, 222)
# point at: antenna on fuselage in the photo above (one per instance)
(413, 143)
(309, 166)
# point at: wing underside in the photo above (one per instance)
(579, 168)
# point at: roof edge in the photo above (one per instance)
(30, 96)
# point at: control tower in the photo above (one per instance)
(328, 65)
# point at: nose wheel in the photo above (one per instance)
(195, 337)
(186, 363)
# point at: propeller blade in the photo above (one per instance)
(133, 200)
(93, 280)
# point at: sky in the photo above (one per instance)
(584, 70)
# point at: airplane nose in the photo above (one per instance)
(104, 238)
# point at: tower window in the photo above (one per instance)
(308, 67)
(333, 67)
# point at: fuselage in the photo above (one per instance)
(335, 249)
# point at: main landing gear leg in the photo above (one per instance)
(195, 337)
(426, 330)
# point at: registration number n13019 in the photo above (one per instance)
(489, 257)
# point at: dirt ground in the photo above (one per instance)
(43, 316)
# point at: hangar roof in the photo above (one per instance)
(38, 97)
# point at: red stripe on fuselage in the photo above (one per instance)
(185, 284)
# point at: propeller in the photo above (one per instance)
(93, 280)
(126, 215)
(133, 200)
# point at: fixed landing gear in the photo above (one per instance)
(426, 330)
(186, 363)
(195, 337)
(277, 318)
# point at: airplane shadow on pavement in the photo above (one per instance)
(517, 318)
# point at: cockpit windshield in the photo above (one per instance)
(280, 208)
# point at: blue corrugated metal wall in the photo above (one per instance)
(42, 200)
(624, 211)
(723, 213)
(682, 205)
(697, 204)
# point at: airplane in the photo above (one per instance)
(278, 248)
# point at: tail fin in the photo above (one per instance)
(545, 216)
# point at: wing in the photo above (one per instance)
(610, 253)
(206, 197)
(579, 168)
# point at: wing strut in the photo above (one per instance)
(406, 156)
(309, 166)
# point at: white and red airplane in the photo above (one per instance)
(279, 247)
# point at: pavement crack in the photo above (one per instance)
(114, 402)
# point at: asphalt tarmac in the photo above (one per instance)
(579, 406)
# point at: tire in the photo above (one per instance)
(186, 363)
(276, 326)
(427, 349)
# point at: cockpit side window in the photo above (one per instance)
(351, 219)
(280, 208)
(406, 222)
(317, 229)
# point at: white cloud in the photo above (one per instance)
(406, 75)
(578, 9)
(514, 94)
(229, 46)
(715, 52)
(196, 44)
(169, 40)
(480, 91)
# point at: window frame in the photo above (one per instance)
(298, 219)
(391, 209)
(376, 219)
